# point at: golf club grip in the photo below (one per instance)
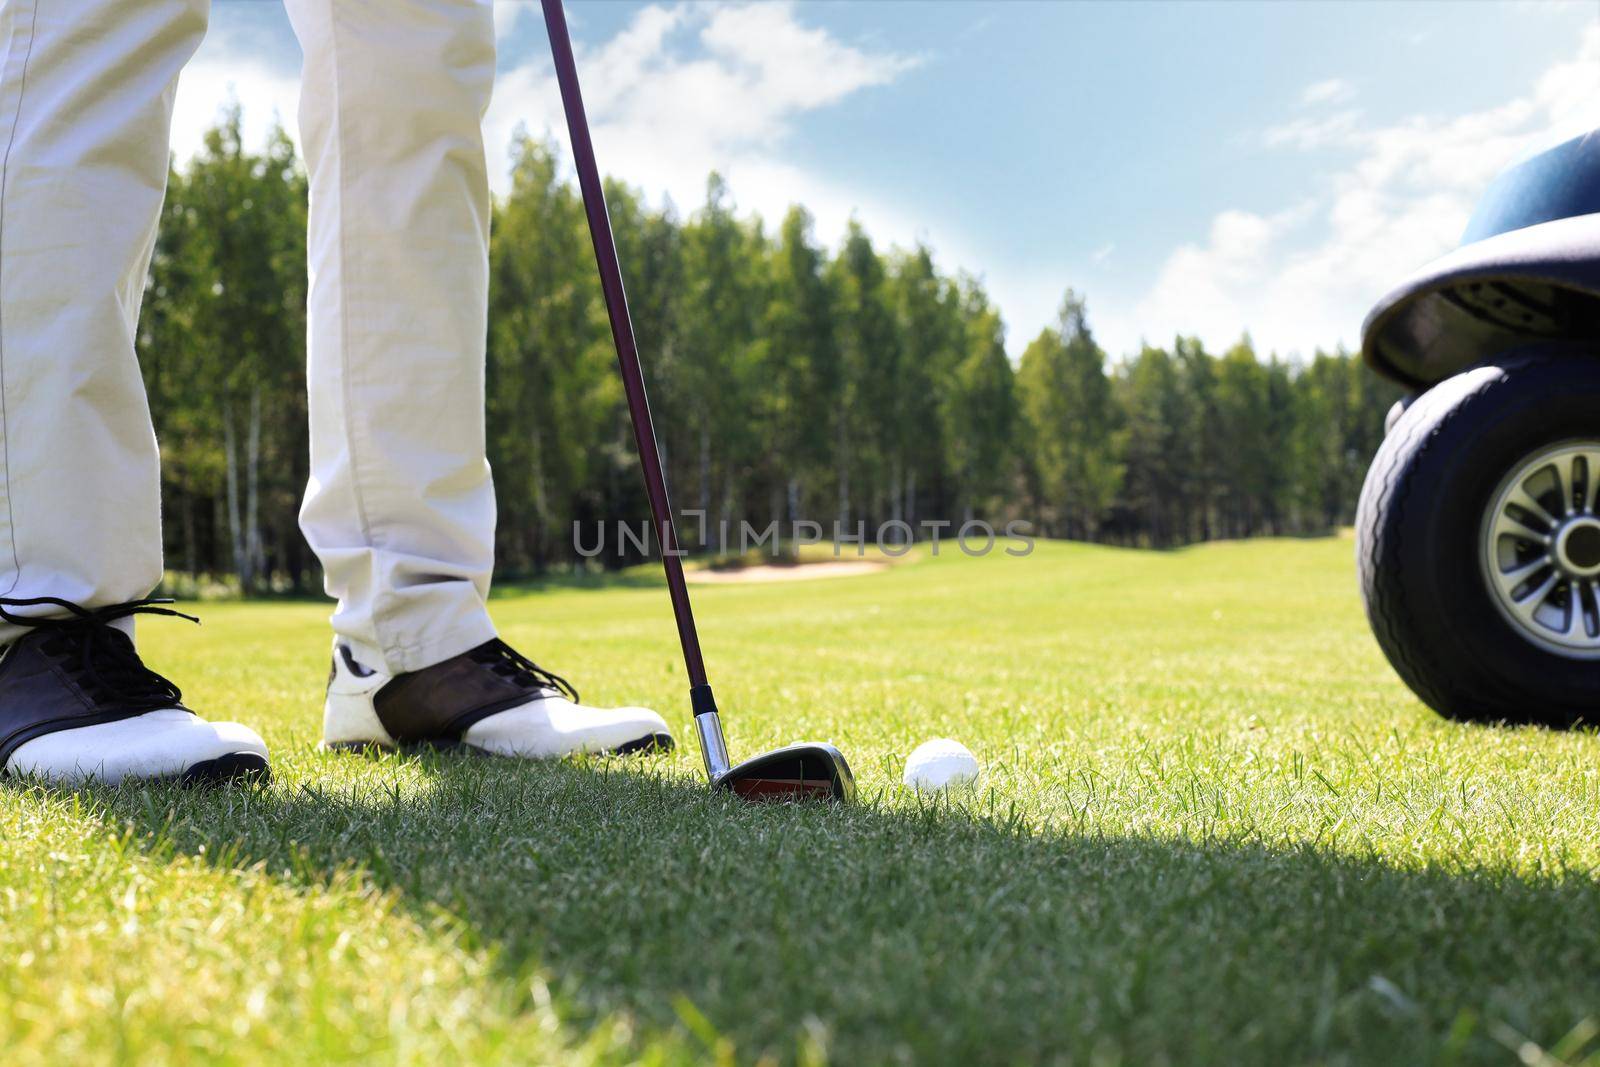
(605, 254)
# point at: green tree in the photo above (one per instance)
(223, 353)
(650, 249)
(552, 387)
(1202, 436)
(935, 384)
(787, 383)
(1156, 479)
(867, 445)
(980, 411)
(721, 363)
(1072, 426)
(801, 385)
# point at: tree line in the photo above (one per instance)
(791, 382)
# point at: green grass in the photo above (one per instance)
(1214, 828)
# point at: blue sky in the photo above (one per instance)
(1207, 168)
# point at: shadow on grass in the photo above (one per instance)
(936, 934)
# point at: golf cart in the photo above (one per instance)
(1478, 531)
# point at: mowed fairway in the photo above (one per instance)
(1215, 828)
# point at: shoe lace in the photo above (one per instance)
(509, 663)
(101, 657)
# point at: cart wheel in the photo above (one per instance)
(1478, 541)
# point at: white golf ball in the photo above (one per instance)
(940, 764)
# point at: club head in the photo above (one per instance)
(807, 771)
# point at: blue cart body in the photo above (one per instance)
(1527, 270)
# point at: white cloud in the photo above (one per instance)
(684, 90)
(1309, 132)
(1305, 276)
(680, 91)
(1328, 91)
(227, 69)
(508, 14)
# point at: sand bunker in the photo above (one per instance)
(766, 572)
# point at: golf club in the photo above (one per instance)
(800, 771)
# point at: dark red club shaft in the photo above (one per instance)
(605, 254)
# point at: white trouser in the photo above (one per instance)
(400, 508)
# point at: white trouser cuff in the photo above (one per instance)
(440, 635)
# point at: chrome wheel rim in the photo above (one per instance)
(1541, 549)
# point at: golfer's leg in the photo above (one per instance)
(399, 508)
(86, 91)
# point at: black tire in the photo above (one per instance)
(1418, 539)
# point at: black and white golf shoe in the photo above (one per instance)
(78, 704)
(490, 699)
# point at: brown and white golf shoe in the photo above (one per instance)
(490, 699)
(78, 704)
